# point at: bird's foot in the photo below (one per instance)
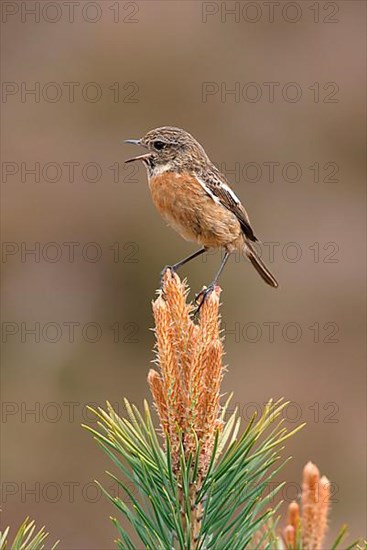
(170, 268)
(201, 297)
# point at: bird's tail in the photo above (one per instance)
(259, 265)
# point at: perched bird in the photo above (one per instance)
(196, 200)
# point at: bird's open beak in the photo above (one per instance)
(140, 157)
(133, 141)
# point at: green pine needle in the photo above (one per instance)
(26, 538)
(233, 493)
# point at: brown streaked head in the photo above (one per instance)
(171, 147)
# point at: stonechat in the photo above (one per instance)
(196, 200)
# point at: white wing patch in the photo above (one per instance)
(220, 185)
(208, 191)
(230, 192)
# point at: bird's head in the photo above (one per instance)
(169, 149)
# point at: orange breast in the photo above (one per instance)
(188, 209)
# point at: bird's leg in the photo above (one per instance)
(206, 291)
(179, 264)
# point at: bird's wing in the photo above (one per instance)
(219, 190)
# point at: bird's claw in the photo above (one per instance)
(203, 294)
(170, 268)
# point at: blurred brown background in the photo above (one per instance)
(106, 71)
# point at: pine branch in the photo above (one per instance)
(201, 485)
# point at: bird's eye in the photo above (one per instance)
(158, 145)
